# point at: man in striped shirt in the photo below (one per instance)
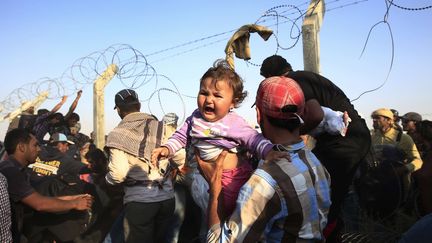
(283, 201)
(5, 212)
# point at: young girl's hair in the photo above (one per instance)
(221, 70)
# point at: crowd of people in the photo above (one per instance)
(305, 176)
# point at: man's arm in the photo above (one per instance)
(59, 105)
(212, 172)
(179, 158)
(118, 167)
(215, 207)
(72, 197)
(53, 205)
(73, 105)
(313, 115)
(259, 205)
(407, 144)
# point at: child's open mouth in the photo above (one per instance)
(208, 109)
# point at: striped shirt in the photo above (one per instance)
(41, 126)
(282, 202)
(229, 132)
(5, 212)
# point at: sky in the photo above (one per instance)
(44, 43)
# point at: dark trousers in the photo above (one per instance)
(173, 232)
(342, 156)
(147, 222)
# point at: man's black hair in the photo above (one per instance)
(275, 66)
(289, 124)
(58, 115)
(425, 129)
(14, 137)
(129, 108)
(42, 111)
(97, 158)
(74, 116)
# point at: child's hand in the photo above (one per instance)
(159, 153)
(275, 155)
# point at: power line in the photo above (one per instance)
(134, 69)
(287, 11)
(189, 43)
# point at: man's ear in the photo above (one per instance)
(20, 147)
(313, 114)
(119, 113)
(390, 121)
(258, 115)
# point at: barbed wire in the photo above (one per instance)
(291, 14)
(387, 24)
(136, 72)
(285, 13)
(276, 18)
(189, 50)
(133, 72)
(391, 2)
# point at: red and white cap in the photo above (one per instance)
(281, 98)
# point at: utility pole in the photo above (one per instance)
(99, 104)
(310, 29)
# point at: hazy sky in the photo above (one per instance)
(41, 40)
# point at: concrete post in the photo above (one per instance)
(25, 105)
(99, 104)
(40, 99)
(310, 28)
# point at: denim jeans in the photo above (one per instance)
(116, 234)
(421, 231)
(173, 231)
